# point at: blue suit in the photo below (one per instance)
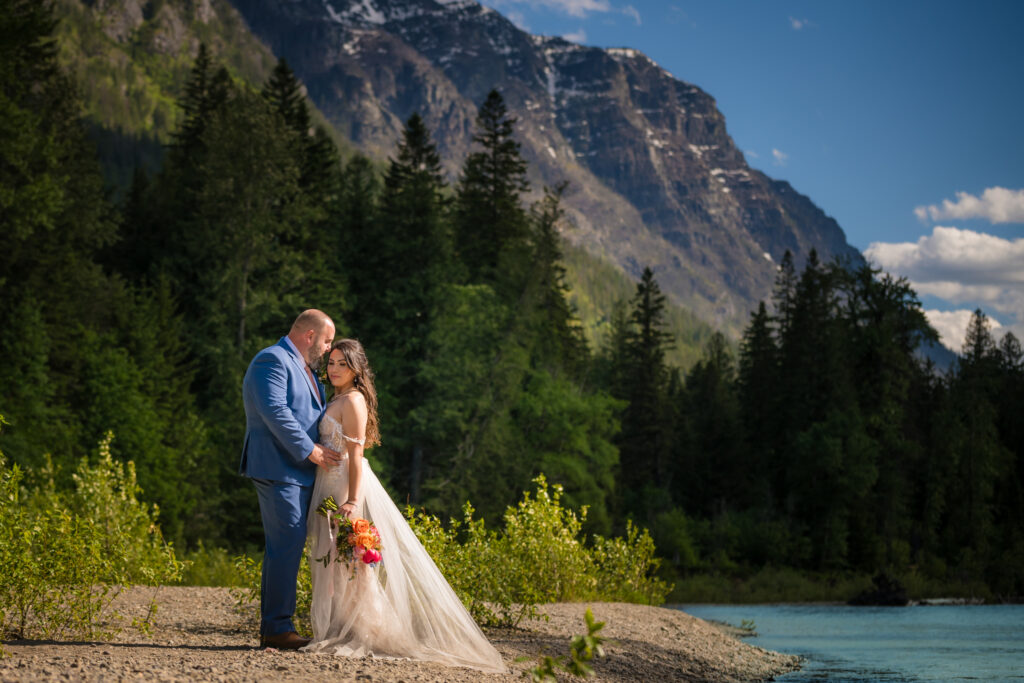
(282, 413)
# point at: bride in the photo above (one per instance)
(402, 606)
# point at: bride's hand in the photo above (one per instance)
(347, 508)
(324, 457)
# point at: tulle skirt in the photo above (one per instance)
(401, 608)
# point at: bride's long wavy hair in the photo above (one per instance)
(355, 357)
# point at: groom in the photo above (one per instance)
(284, 402)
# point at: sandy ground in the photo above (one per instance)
(198, 635)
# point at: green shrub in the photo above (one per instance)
(539, 557)
(502, 576)
(65, 555)
(211, 567)
(475, 562)
(624, 568)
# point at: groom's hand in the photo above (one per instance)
(324, 457)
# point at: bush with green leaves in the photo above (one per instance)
(502, 576)
(539, 557)
(65, 555)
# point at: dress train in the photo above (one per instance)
(403, 607)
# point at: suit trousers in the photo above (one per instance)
(283, 507)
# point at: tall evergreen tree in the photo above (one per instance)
(490, 223)
(319, 162)
(784, 295)
(205, 90)
(981, 458)
(560, 345)
(416, 241)
(714, 448)
(284, 94)
(884, 325)
(758, 393)
(644, 444)
(353, 243)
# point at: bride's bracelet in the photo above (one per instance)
(351, 502)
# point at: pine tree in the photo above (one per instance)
(204, 92)
(283, 93)
(983, 459)
(645, 441)
(490, 223)
(415, 240)
(717, 479)
(979, 346)
(560, 345)
(758, 389)
(319, 161)
(883, 326)
(784, 295)
(354, 241)
(828, 457)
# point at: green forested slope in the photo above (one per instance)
(131, 73)
(596, 286)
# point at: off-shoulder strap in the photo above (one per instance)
(358, 441)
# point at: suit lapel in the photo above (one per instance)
(314, 388)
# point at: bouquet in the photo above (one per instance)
(354, 539)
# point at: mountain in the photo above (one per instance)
(131, 59)
(655, 178)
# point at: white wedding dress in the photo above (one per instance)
(401, 608)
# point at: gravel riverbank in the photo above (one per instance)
(198, 635)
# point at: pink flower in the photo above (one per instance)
(371, 556)
(358, 551)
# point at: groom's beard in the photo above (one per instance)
(315, 362)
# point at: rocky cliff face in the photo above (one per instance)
(655, 178)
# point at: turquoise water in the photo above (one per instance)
(859, 644)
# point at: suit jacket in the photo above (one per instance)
(282, 415)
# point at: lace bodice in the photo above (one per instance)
(333, 436)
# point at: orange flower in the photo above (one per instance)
(360, 526)
(367, 540)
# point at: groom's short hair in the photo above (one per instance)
(311, 319)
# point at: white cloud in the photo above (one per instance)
(579, 36)
(631, 11)
(961, 267)
(780, 157)
(751, 154)
(518, 19)
(677, 15)
(951, 254)
(952, 326)
(996, 204)
(798, 24)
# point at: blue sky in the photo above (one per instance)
(902, 120)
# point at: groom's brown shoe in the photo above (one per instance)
(284, 641)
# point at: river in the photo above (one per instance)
(860, 644)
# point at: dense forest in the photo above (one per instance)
(823, 443)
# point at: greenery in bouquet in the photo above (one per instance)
(355, 540)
